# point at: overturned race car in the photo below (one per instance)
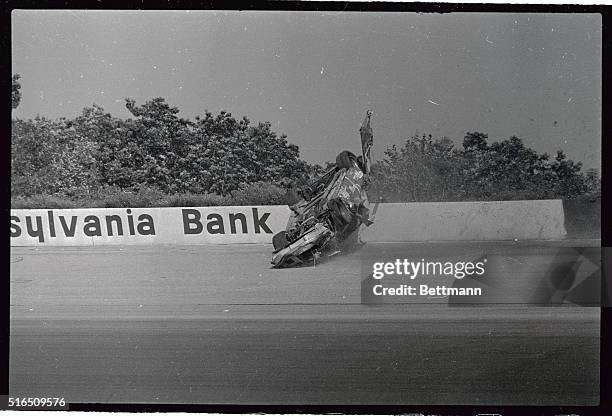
(331, 209)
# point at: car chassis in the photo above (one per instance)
(331, 209)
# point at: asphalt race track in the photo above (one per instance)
(215, 324)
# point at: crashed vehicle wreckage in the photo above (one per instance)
(331, 209)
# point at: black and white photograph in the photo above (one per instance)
(305, 207)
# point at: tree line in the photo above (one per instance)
(428, 169)
(96, 154)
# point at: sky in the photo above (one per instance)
(313, 75)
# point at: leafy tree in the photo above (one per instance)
(432, 170)
(592, 182)
(474, 142)
(15, 93)
(227, 153)
(569, 182)
(156, 148)
(51, 157)
(422, 170)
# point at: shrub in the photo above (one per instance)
(43, 202)
(142, 198)
(258, 193)
(195, 200)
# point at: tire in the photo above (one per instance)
(341, 214)
(345, 159)
(279, 241)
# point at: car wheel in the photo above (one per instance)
(279, 241)
(345, 159)
(340, 212)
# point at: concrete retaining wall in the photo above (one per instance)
(105, 226)
(456, 221)
(440, 221)
(582, 218)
